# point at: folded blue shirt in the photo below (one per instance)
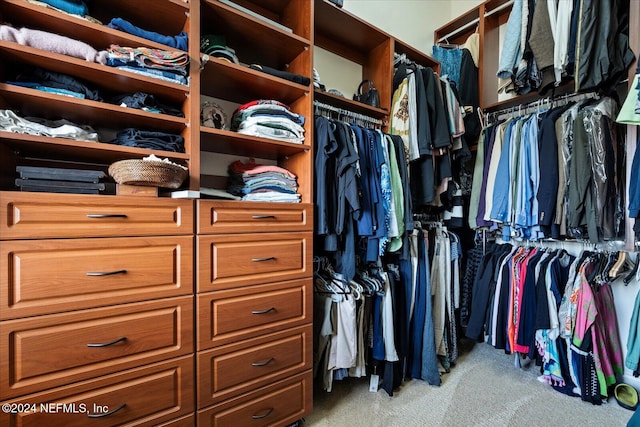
(72, 7)
(181, 41)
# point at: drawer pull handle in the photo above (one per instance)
(265, 363)
(269, 258)
(268, 310)
(105, 273)
(106, 215)
(107, 344)
(261, 416)
(263, 217)
(106, 414)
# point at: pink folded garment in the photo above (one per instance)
(252, 168)
(52, 43)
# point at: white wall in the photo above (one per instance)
(458, 7)
(336, 72)
(411, 21)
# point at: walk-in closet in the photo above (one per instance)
(319, 213)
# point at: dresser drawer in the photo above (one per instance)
(237, 314)
(48, 351)
(252, 217)
(140, 397)
(188, 421)
(43, 215)
(230, 261)
(231, 370)
(276, 405)
(47, 276)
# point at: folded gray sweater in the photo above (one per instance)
(53, 43)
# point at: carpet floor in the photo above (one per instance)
(484, 388)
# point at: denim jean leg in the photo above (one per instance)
(429, 371)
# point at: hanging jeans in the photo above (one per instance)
(429, 369)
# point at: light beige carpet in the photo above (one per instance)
(483, 389)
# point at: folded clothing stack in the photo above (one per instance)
(162, 64)
(265, 183)
(152, 140)
(50, 81)
(11, 122)
(292, 77)
(146, 102)
(268, 119)
(179, 41)
(72, 7)
(52, 42)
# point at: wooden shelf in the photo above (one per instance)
(144, 13)
(271, 9)
(350, 105)
(229, 142)
(344, 34)
(86, 151)
(253, 40)
(32, 102)
(284, 12)
(98, 36)
(102, 76)
(240, 84)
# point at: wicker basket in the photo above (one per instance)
(147, 173)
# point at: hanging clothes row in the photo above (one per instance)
(552, 174)
(589, 43)
(554, 308)
(460, 65)
(396, 320)
(426, 112)
(363, 203)
(337, 113)
(365, 229)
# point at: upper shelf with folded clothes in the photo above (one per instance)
(124, 27)
(250, 38)
(19, 58)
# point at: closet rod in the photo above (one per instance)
(458, 30)
(521, 109)
(402, 58)
(474, 22)
(499, 8)
(356, 116)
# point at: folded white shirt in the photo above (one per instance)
(11, 122)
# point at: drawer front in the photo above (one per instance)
(235, 369)
(188, 421)
(237, 314)
(252, 217)
(276, 405)
(41, 216)
(48, 351)
(141, 397)
(230, 261)
(48, 276)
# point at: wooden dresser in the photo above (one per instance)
(96, 314)
(254, 321)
